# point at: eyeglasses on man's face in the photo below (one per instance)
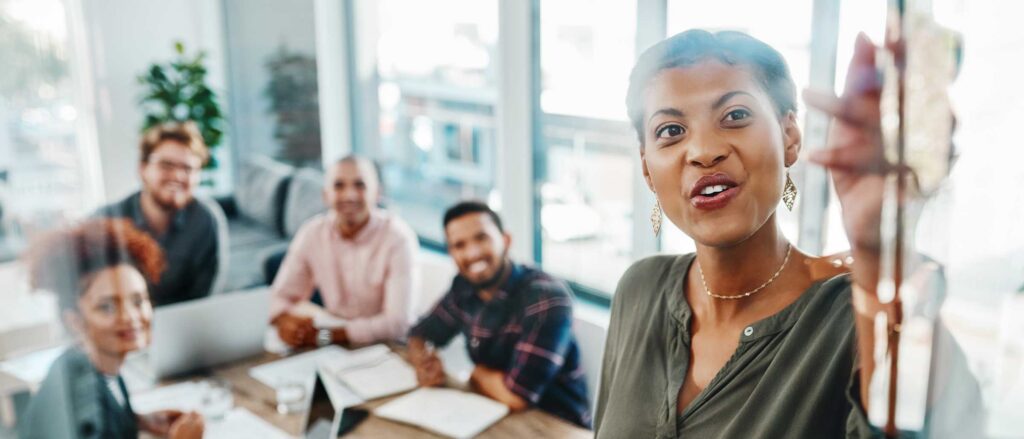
(167, 166)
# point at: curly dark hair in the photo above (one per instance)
(64, 262)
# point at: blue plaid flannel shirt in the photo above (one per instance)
(524, 330)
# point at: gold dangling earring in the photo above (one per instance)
(656, 217)
(789, 193)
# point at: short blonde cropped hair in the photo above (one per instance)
(186, 133)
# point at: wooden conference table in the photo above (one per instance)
(259, 399)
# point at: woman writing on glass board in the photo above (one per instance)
(749, 336)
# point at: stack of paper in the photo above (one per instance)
(186, 396)
(243, 424)
(387, 376)
(364, 356)
(341, 396)
(447, 412)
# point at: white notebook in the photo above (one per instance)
(448, 412)
(388, 376)
(242, 424)
(185, 396)
(299, 367)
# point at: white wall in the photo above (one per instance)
(124, 38)
(6, 142)
(255, 29)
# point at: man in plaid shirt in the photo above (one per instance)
(516, 319)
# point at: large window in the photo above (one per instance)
(426, 101)
(272, 90)
(588, 173)
(432, 67)
(854, 18)
(43, 173)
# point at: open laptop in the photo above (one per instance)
(207, 332)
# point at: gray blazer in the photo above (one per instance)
(75, 402)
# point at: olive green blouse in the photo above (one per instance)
(792, 375)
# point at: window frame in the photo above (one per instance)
(519, 117)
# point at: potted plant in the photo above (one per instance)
(292, 91)
(176, 92)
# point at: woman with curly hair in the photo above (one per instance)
(98, 271)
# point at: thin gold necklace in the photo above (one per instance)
(789, 249)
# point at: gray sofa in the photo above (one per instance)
(271, 201)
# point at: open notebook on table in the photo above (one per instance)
(371, 372)
(448, 412)
(303, 366)
(299, 367)
(235, 422)
(242, 424)
(387, 375)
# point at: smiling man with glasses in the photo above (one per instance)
(191, 231)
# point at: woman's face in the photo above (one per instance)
(715, 150)
(115, 312)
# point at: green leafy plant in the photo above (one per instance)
(292, 91)
(177, 92)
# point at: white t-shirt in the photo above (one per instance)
(115, 389)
